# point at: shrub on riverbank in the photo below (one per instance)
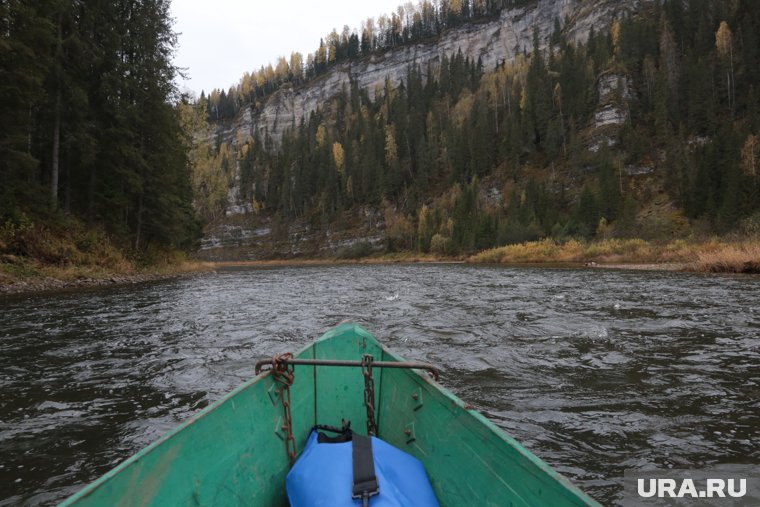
(68, 244)
(548, 250)
(66, 249)
(741, 258)
(714, 255)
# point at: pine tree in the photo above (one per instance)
(25, 37)
(587, 212)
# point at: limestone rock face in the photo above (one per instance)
(492, 41)
(612, 110)
(613, 86)
(610, 115)
(614, 94)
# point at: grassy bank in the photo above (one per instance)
(712, 255)
(41, 257)
(37, 257)
(740, 258)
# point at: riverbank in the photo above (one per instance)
(712, 255)
(106, 265)
(709, 256)
(387, 258)
(22, 277)
(61, 255)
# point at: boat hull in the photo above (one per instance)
(233, 452)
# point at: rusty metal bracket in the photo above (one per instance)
(409, 433)
(417, 397)
(274, 393)
(433, 371)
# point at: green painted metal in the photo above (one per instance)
(233, 452)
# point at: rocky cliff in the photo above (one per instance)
(242, 235)
(492, 41)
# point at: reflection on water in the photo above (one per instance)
(595, 371)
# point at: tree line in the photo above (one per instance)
(89, 124)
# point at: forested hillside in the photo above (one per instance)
(646, 129)
(90, 129)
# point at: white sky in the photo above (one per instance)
(219, 40)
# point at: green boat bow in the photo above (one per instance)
(234, 451)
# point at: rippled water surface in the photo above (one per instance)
(594, 371)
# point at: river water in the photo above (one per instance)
(594, 371)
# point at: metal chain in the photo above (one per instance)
(369, 394)
(282, 373)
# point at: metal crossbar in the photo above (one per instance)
(432, 370)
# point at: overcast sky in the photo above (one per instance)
(221, 39)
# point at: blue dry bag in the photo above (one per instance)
(324, 476)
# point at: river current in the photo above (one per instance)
(594, 371)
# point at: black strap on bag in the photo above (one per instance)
(365, 481)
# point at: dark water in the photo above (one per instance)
(595, 371)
